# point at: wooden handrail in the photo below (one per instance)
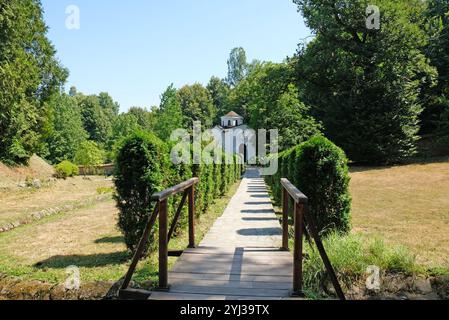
(303, 221)
(163, 195)
(161, 210)
(294, 192)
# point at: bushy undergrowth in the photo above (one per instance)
(66, 169)
(351, 255)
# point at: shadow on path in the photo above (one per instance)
(257, 211)
(260, 232)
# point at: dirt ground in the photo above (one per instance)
(37, 168)
(406, 205)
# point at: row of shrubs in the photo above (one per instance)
(320, 170)
(143, 167)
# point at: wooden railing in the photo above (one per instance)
(303, 222)
(165, 234)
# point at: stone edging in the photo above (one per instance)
(13, 288)
(401, 287)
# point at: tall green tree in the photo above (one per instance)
(99, 113)
(197, 105)
(237, 66)
(364, 83)
(109, 107)
(437, 16)
(97, 121)
(67, 132)
(146, 119)
(169, 117)
(89, 154)
(29, 75)
(436, 97)
(268, 99)
(124, 125)
(219, 91)
(292, 118)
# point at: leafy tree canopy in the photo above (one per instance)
(89, 154)
(291, 117)
(29, 75)
(219, 91)
(364, 84)
(237, 66)
(124, 125)
(146, 119)
(67, 131)
(436, 98)
(197, 105)
(98, 114)
(169, 116)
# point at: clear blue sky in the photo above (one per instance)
(134, 49)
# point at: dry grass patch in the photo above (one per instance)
(18, 204)
(87, 238)
(407, 205)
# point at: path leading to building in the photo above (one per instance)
(240, 257)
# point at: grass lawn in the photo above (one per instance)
(406, 205)
(19, 204)
(400, 220)
(86, 238)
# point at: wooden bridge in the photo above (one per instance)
(243, 257)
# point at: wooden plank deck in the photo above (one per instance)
(239, 259)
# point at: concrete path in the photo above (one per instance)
(239, 258)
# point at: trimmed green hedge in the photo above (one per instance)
(320, 170)
(143, 168)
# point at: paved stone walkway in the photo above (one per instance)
(239, 258)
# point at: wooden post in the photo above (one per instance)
(310, 220)
(298, 251)
(163, 245)
(285, 198)
(192, 217)
(140, 248)
(177, 215)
